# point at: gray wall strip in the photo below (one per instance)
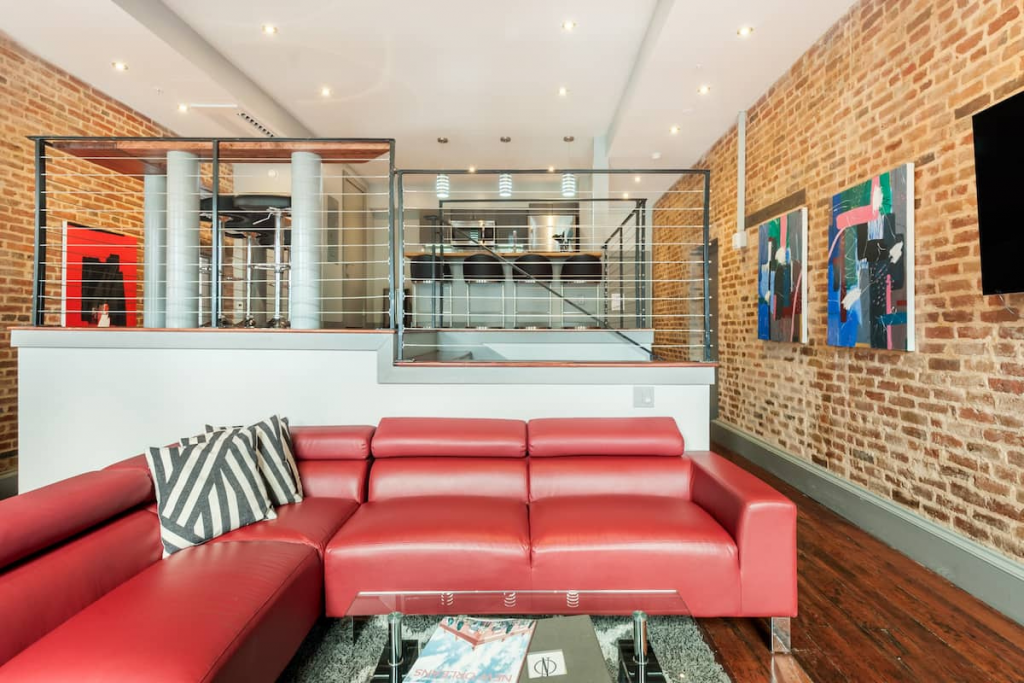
(984, 573)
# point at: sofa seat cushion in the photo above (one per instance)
(634, 542)
(429, 543)
(312, 522)
(222, 611)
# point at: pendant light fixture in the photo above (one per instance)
(568, 179)
(442, 185)
(505, 179)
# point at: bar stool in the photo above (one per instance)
(582, 269)
(232, 225)
(531, 268)
(270, 206)
(483, 269)
(430, 270)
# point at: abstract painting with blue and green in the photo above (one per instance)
(871, 263)
(781, 280)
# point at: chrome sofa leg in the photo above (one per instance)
(781, 635)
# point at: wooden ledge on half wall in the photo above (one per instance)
(210, 330)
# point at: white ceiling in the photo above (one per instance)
(466, 69)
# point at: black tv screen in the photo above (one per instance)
(999, 171)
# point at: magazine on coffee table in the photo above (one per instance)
(467, 649)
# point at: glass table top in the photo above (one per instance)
(498, 602)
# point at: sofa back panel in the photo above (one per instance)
(488, 477)
(348, 442)
(610, 475)
(42, 592)
(38, 519)
(398, 437)
(615, 436)
(334, 478)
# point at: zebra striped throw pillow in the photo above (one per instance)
(205, 489)
(276, 460)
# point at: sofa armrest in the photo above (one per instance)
(762, 522)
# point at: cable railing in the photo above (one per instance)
(491, 265)
(485, 259)
(213, 232)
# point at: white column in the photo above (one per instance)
(307, 231)
(154, 311)
(182, 240)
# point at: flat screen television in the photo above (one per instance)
(999, 173)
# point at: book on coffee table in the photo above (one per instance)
(467, 649)
(565, 649)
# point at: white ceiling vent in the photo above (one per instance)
(231, 118)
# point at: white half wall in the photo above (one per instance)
(90, 398)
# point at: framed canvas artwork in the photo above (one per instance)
(871, 263)
(98, 278)
(781, 282)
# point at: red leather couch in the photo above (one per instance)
(443, 504)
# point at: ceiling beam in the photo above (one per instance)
(643, 56)
(162, 22)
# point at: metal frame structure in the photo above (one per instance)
(395, 222)
(641, 275)
(41, 142)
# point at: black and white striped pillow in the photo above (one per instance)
(208, 488)
(276, 460)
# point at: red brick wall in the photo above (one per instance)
(940, 430)
(37, 98)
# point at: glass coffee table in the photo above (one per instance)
(637, 661)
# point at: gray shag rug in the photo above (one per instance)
(330, 655)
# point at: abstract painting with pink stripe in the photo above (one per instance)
(871, 263)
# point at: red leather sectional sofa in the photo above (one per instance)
(442, 504)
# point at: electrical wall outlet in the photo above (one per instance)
(643, 397)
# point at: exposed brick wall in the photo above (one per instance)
(37, 98)
(940, 430)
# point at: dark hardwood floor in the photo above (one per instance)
(868, 613)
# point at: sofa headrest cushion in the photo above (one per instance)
(332, 443)
(618, 436)
(41, 518)
(398, 437)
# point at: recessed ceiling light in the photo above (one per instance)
(551, 169)
(636, 179)
(472, 169)
(745, 31)
(563, 91)
(704, 89)
(625, 195)
(269, 29)
(119, 66)
(568, 25)
(674, 130)
(655, 155)
(325, 91)
(271, 173)
(183, 108)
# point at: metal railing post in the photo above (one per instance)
(398, 248)
(391, 235)
(39, 264)
(216, 259)
(707, 267)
